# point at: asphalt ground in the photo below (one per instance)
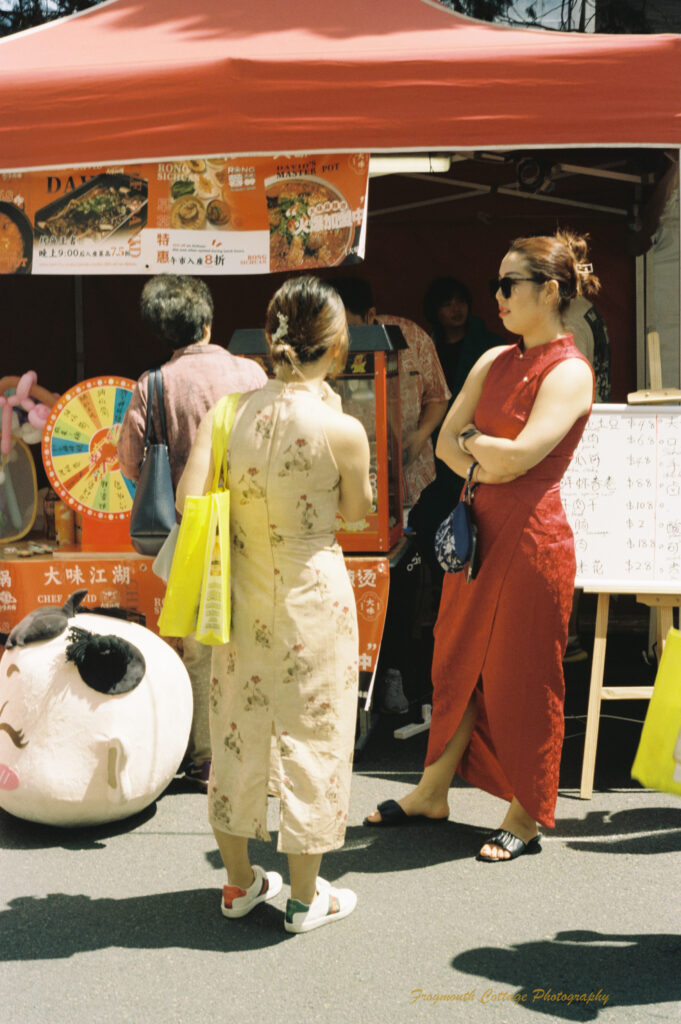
(122, 923)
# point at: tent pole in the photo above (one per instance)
(602, 172)
(428, 202)
(641, 319)
(490, 189)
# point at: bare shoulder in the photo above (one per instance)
(481, 368)
(578, 366)
(347, 440)
(573, 372)
(570, 383)
(342, 428)
(488, 357)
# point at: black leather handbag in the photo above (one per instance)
(153, 510)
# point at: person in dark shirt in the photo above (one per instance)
(460, 339)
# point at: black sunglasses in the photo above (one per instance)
(505, 284)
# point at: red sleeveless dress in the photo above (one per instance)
(504, 634)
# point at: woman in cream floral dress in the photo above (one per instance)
(284, 690)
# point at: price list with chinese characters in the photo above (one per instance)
(622, 496)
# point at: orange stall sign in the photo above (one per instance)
(204, 215)
(119, 580)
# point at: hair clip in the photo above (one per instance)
(585, 268)
(282, 329)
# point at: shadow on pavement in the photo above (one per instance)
(371, 850)
(660, 829)
(616, 970)
(380, 851)
(18, 834)
(59, 925)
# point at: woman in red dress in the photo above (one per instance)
(499, 640)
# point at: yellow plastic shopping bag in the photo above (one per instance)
(213, 620)
(197, 598)
(654, 764)
(183, 591)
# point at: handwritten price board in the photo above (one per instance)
(622, 496)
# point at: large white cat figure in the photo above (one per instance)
(95, 715)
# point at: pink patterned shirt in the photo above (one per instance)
(422, 380)
(193, 381)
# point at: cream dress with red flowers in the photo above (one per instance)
(283, 700)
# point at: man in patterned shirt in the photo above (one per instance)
(424, 394)
(180, 311)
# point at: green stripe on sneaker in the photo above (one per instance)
(295, 907)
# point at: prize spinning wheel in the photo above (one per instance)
(80, 448)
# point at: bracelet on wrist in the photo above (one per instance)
(465, 436)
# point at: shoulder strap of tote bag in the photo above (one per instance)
(223, 420)
(161, 406)
(155, 380)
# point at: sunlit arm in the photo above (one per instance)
(197, 475)
(462, 413)
(564, 395)
(432, 415)
(351, 451)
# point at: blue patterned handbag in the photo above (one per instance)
(457, 535)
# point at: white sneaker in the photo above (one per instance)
(328, 905)
(238, 902)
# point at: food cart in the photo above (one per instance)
(172, 110)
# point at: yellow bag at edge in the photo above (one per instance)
(654, 763)
(197, 598)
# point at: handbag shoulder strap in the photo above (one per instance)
(154, 380)
(161, 406)
(223, 420)
(150, 407)
(469, 490)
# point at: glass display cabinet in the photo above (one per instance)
(369, 387)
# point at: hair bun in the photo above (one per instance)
(587, 282)
(577, 244)
(305, 317)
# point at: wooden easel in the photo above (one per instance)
(655, 394)
(664, 604)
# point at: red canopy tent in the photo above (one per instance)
(154, 79)
(145, 80)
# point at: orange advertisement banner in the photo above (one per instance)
(370, 579)
(126, 581)
(115, 581)
(245, 215)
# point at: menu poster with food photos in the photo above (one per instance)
(208, 215)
